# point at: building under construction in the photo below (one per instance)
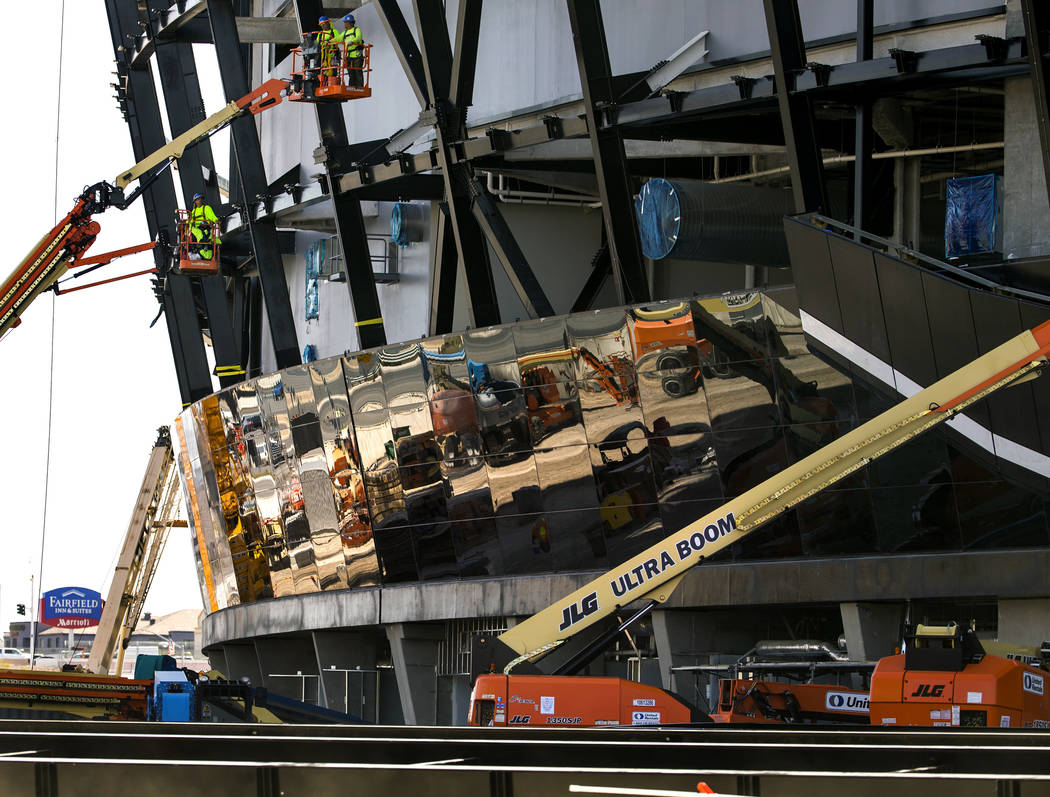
(550, 281)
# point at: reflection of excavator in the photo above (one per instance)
(669, 335)
(638, 585)
(64, 246)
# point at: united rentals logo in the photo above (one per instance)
(1033, 683)
(846, 701)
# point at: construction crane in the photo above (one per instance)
(64, 246)
(649, 578)
(154, 515)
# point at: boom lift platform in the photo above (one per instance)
(649, 578)
(323, 73)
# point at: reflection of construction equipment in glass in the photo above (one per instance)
(322, 72)
(650, 577)
(198, 247)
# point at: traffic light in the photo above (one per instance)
(21, 609)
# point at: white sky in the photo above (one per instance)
(114, 380)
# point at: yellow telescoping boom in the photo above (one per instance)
(655, 573)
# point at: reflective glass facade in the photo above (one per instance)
(560, 444)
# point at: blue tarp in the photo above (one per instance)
(973, 215)
(314, 261)
(659, 215)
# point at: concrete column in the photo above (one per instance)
(217, 660)
(1024, 621)
(290, 657)
(347, 665)
(685, 638)
(242, 662)
(414, 651)
(872, 630)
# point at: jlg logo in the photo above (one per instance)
(929, 690)
(572, 613)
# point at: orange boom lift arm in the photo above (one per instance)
(68, 240)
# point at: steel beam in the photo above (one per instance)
(349, 222)
(147, 134)
(444, 259)
(185, 107)
(864, 140)
(610, 160)
(1036, 26)
(465, 57)
(253, 183)
(788, 51)
(405, 44)
(436, 52)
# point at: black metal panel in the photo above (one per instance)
(904, 307)
(952, 332)
(1032, 316)
(813, 272)
(185, 108)
(445, 258)
(253, 183)
(147, 135)
(855, 280)
(1036, 15)
(1013, 410)
(610, 159)
(228, 365)
(788, 51)
(862, 177)
(465, 57)
(405, 45)
(190, 339)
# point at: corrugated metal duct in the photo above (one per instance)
(694, 220)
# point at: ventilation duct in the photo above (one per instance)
(694, 220)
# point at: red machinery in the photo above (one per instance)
(321, 72)
(945, 678)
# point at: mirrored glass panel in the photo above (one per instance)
(524, 540)
(663, 337)
(576, 539)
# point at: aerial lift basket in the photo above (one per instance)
(192, 260)
(323, 73)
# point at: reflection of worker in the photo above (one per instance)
(328, 40)
(202, 219)
(354, 40)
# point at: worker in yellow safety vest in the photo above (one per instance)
(201, 223)
(329, 39)
(354, 41)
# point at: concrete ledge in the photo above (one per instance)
(1005, 574)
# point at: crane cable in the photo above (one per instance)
(51, 366)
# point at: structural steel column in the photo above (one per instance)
(147, 135)
(253, 184)
(473, 221)
(610, 160)
(185, 107)
(862, 176)
(796, 114)
(444, 260)
(1036, 25)
(349, 221)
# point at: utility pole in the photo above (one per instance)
(32, 626)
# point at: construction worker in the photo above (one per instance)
(201, 221)
(354, 40)
(328, 39)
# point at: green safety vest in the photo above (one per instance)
(354, 40)
(202, 216)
